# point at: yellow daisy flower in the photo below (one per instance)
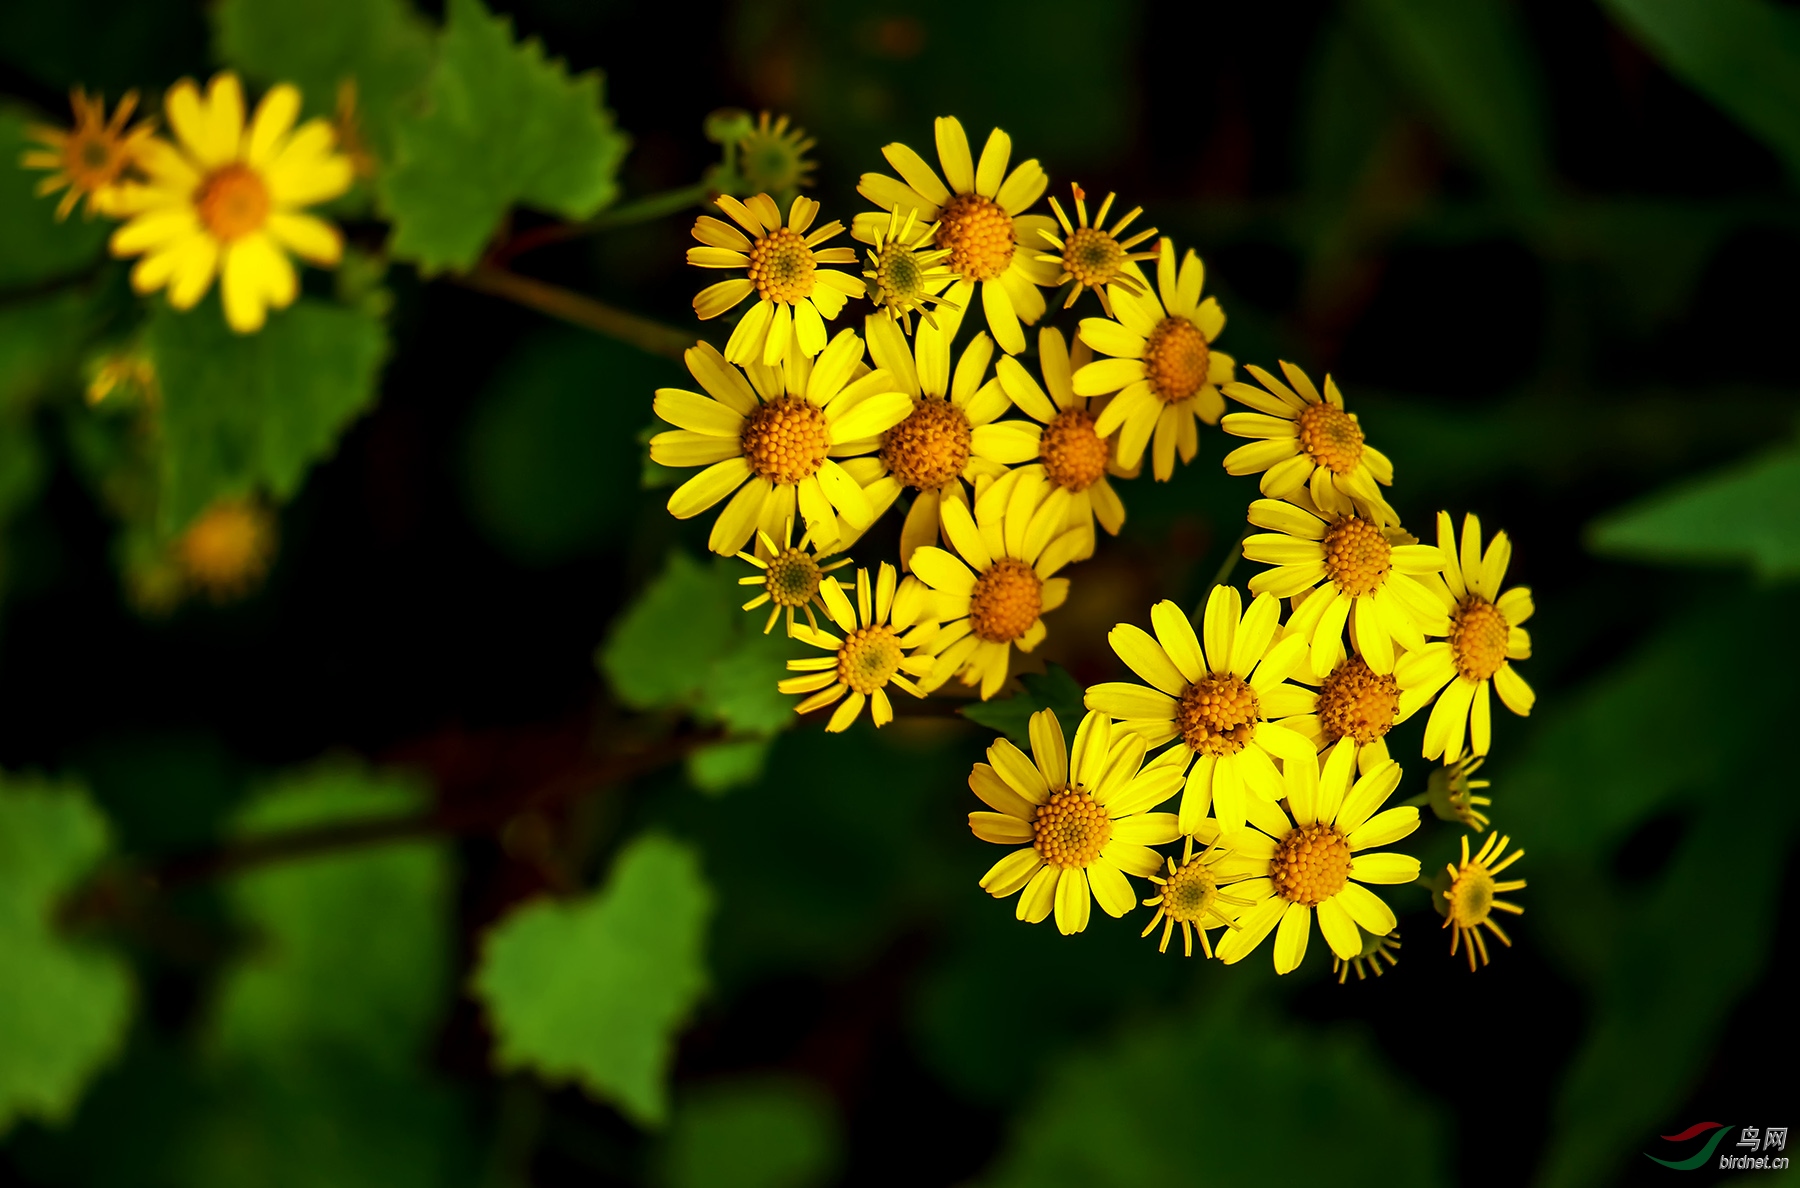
(876, 650)
(1317, 861)
(949, 442)
(227, 198)
(1192, 896)
(1368, 577)
(1218, 705)
(980, 218)
(1469, 901)
(1093, 256)
(1307, 440)
(90, 158)
(1356, 702)
(1081, 817)
(790, 576)
(995, 589)
(1375, 950)
(1070, 452)
(1485, 634)
(905, 272)
(1163, 366)
(768, 434)
(771, 156)
(794, 297)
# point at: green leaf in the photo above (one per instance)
(34, 247)
(1744, 55)
(40, 343)
(64, 1005)
(1053, 689)
(254, 412)
(502, 124)
(382, 46)
(350, 951)
(772, 1132)
(1747, 514)
(593, 990)
(723, 766)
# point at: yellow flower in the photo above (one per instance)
(873, 653)
(1308, 440)
(92, 157)
(790, 576)
(1317, 860)
(1368, 577)
(1469, 901)
(1375, 950)
(1485, 634)
(1163, 365)
(768, 433)
(1080, 817)
(1218, 704)
(1356, 702)
(226, 199)
(905, 272)
(771, 156)
(128, 371)
(1451, 793)
(794, 297)
(1070, 452)
(949, 441)
(980, 218)
(1093, 256)
(228, 548)
(994, 598)
(1191, 895)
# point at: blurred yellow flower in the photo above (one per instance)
(1307, 441)
(226, 552)
(790, 576)
(91, 157)
(1469, 901)
(771, 156)
(877, 649)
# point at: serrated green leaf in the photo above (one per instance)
(382, 46)
(349, 951)
(1052, 689)
(771, 1132)
(502, 125)
(244, 413)
(34, 247)
(1748, 514)
(64, 1005)
(593, 990)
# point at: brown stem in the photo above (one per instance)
(579, 309)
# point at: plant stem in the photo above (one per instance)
(1221, 575)
(653, 206)
(579, 309)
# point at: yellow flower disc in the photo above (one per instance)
(1176, 359)
(1188, 894)
(1311, 864)
(1471, 896)
(1070, 829)
(1217, 714)
(1092, 257)
(1357, 703)
(1331, 438)
(1478, 634)
(1007, 599)
(792, 578)
(1357, 556)
(868, 657)
(930, 447)
(233, 202)
(979, 234)
(782, 266)
(785, 440)
(1074, 455)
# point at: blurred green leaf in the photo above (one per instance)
(382, 46)
(594, 990)
(64, 1005)
(1052, 689)
(723, 766)
(502, 124)
(34, 247)
(1221, 1095)
(350, 951)
(1748, 514)
(244, 413)
(774, 1132)
(1744, 55)
(40, 341)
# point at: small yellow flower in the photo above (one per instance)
(790, 576)
(993, 592)
(1451, 793)
(768, 434)
(1317, 861)
(980, 219)
(1485, 635)
(1368, 576)
(877, 649)
(1093, 256)
(1307, 441)
(1375, 950)
(1081, 817)
(1071, 453)
(1164, 367)
(1469, 901)
(225, 200)
(794, 297)
(1219, 705)
(90, 158)
(1192, 895)
(129, 371)
(771, 156)
(905, 272)
(1356, 702)
(228, 549)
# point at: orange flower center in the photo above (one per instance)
(233, 202)
(1311, 864)
(979, 234)
(1357, 556)
(781, 266)
(785, 440)
(1007, 599)
(1176, 359)
(1074, 455)
(1217, 714)
(868, 657)
(228, 549)
(1356, 702)
(1092, 257)
(930, 447)
(1070, 829)
(1478, 633)
(1331, 437)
